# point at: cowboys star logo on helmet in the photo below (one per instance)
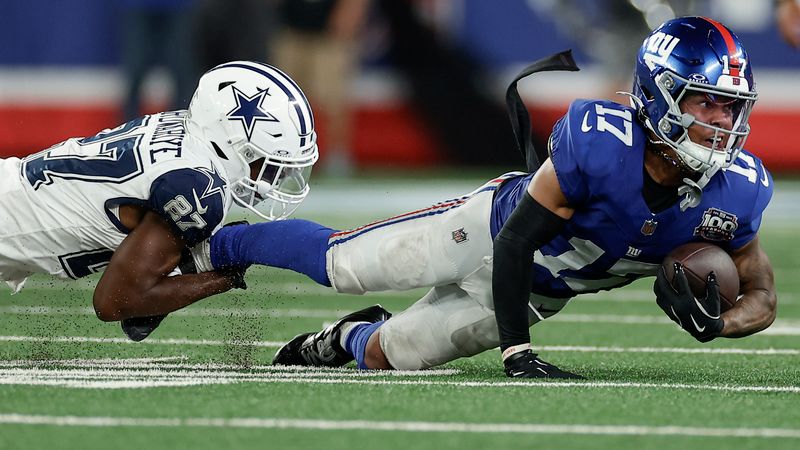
(248, 110)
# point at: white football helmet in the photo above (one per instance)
(245, 112)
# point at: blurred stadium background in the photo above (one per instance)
(428, 87)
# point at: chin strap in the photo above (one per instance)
(694, 189)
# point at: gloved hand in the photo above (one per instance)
(236, 276)
(698, 316)
(526, 364)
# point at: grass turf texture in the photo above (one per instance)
(202, 380)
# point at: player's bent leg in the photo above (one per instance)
(446, 324)
(451, 322)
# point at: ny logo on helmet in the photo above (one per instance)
(659, 46)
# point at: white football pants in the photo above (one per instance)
(447, 247)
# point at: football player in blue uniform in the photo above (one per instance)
(621, 187)
(135, 200)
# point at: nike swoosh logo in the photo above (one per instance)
(703, 310)
(200, 209)
(675, 315)
(696, 326)
(585, 125)
(764, 179)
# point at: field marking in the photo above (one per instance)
(627, 295)
(165, 363)
(102, 375)
(781, 327)
(276, 344)
(413, 427)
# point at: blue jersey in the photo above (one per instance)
(613, 238)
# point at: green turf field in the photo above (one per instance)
(203, 379)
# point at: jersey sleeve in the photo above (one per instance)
(563, 155)
(588, 147)
(191, 200)
(761, 190)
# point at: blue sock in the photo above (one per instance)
(295, 244)
(356, 342)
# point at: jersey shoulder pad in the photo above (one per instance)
(192, 200)
(588, 142)
(751, 181)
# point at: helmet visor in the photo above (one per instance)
(286, 179)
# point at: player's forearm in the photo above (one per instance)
(168, 295)
(529, 226)
(511, 285)
(754, 312)
(758, 304)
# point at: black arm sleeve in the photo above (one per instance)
(530, 226)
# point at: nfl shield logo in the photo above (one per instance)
(649, 227)
(460, 236)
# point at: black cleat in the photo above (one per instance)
(322, 348)
(138, 328)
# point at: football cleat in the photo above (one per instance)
(138, 328)
(322, 348)
(526, 364)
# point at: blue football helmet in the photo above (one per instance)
(694, 55)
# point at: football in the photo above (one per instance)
(698, 260)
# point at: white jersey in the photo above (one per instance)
(59, 208)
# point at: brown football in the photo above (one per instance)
(698, 260)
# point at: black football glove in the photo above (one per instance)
(235, 276)
(698, 316)
(526, 364)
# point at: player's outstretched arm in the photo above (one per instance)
(758, 304)
(136, 284)
(540, 215)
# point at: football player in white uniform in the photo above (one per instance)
(131, 201)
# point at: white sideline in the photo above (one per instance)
(275, 344)
(439, 427)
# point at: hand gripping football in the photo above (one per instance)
(698, 260)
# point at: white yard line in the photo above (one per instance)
(104, 378)
(781, 327)
(413, 427)
(275, 344)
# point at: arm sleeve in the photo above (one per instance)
(529, 226)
